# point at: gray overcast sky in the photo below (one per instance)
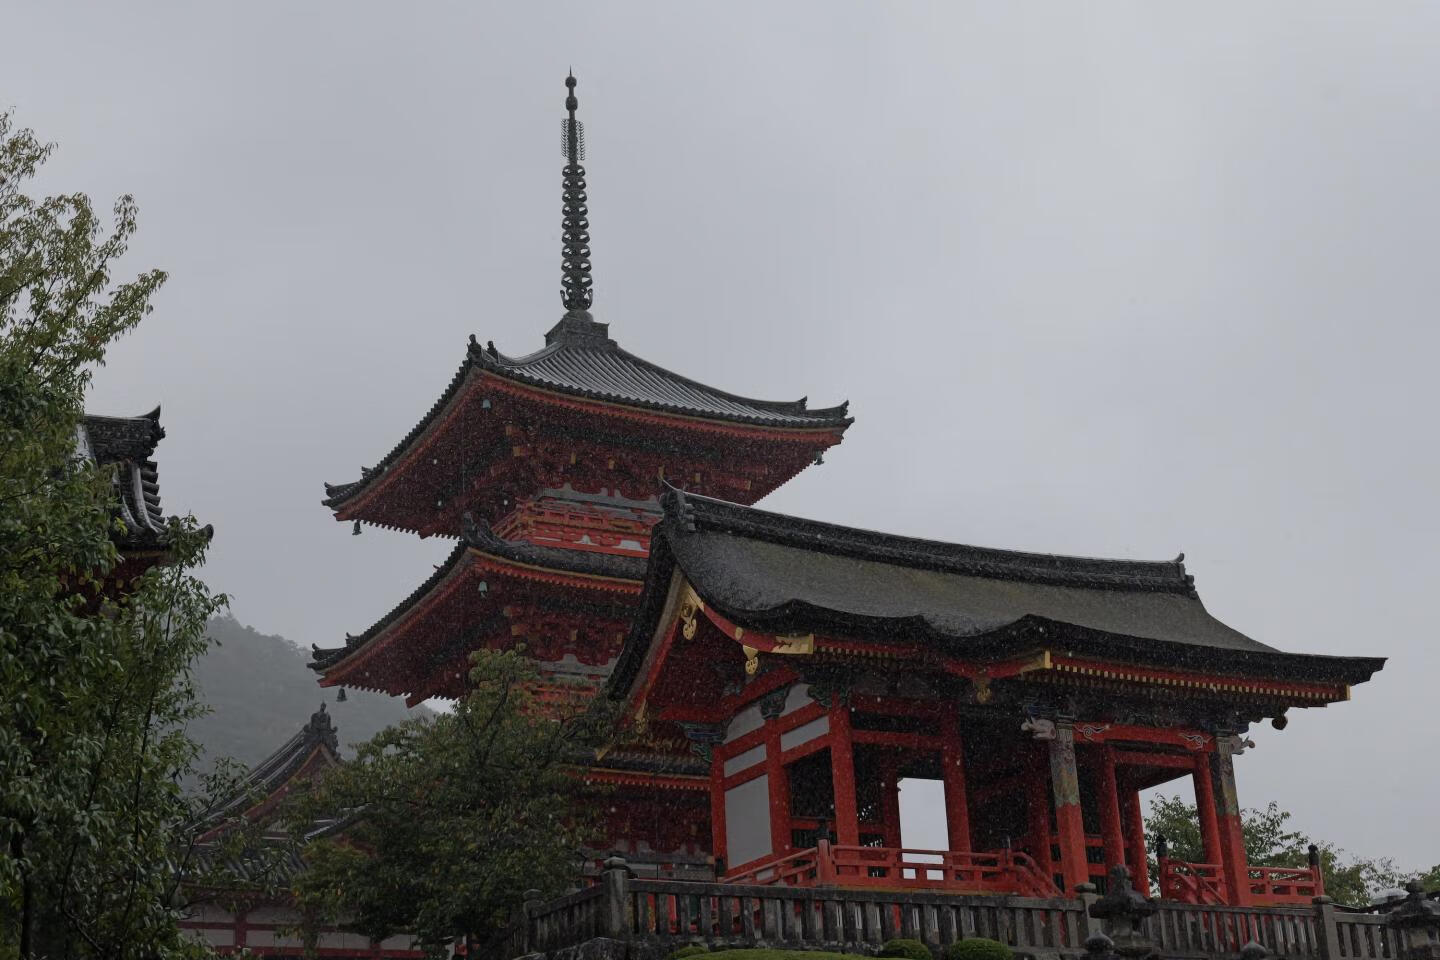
(1121, 279)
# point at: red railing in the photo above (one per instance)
(999, 872)
(1204, 883)
(1271, 886)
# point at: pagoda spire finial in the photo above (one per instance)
(575, 290)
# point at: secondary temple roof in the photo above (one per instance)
(770, 572)
(128, 443)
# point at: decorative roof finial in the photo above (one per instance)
(575, 290)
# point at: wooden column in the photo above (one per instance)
(1070, 827)
(1133, 813)
(1232, 838)
(889, 799)
(842, 776)
(957, 801)
(1037, 802)
(1109, 800)
(1205, 809)
(718, 846)
(779, 791)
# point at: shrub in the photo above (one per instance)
(908, 949)
(693, 950)
(978, 948)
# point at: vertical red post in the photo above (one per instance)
(1205, 808)
(957, 802)
(1037, 802)
(779, 791)
(842, 776)
(1232, 837)
(1109, 800)
(1133, 813)
(1070, 827)
(890, 798)
(717, 812)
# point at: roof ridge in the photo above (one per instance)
(691, 511)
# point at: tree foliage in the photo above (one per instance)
(452, 817)
(1271, 841)
(94, 680)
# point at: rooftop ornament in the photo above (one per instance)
(575, 289)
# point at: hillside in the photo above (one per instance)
(261, 692)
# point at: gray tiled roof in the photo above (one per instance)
(128, 443)
(580, 359)
(770, 572)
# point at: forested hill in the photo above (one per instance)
(261, 693)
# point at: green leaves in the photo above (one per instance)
(453, 817)
(94, 688)
(1270, 841)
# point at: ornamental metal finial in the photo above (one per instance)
(575, 291)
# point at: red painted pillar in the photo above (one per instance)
(890, 798)
(718, 846)
(1205, 808)
(1109, 800)
(842, 776)
(1232, 837)
(1133, 814)
(957, 801)
(779, 792)
(1070, 827)
(1037, 802)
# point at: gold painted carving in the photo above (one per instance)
(690, 605)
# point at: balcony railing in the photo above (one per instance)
(979, 872)
(1204, 883)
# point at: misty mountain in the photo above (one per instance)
(260, 693)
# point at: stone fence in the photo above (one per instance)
(627, 918)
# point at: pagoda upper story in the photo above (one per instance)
(579, 436)
(548, 469)
(581, 416)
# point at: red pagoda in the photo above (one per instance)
(547, 468)
(789, 674)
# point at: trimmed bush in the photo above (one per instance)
(907, 949)
(978, 948)
(695, 949)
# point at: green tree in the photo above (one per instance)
(1270, 841)
(94, 680)
(454, 816)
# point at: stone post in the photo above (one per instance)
(1088, 894)
(1125, 911)
(528, 909)
(1327, 930)
(1417, 924)
(614, 903)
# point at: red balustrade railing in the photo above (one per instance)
(1204, 883)
(1270, 886)
(999, 872)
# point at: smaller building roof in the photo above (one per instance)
(781, 574)
(128, 443)
(314, 747)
